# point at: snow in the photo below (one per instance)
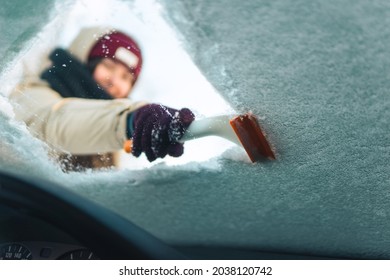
(317, 74)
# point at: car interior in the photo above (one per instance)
(43, 220)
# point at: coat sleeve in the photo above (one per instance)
(75, 125)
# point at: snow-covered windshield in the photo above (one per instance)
(317, 74)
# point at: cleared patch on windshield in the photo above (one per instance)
(169, 76)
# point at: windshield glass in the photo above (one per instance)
(316, 74)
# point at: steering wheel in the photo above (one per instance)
(107, 234)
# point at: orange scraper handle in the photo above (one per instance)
(252, 137)
(128, 146)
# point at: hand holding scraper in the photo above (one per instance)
(161, 130)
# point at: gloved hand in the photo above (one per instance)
(157, 129)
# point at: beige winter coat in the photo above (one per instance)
(74, 125)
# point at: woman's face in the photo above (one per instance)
(114, 78)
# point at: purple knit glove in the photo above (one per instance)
(157, 129)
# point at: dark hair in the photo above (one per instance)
(91, 65)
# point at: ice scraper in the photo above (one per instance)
(243, 130)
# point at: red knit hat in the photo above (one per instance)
(120, 47)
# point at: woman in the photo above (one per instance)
(79, 105)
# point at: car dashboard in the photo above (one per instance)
(23, 237)
(40, 219)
